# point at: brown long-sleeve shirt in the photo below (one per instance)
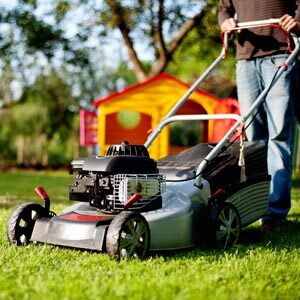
(258, 42)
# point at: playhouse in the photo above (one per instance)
(131, 113)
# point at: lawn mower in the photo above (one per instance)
(127, 204)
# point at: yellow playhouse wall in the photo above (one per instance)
(155, 101)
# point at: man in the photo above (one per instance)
(260, 51)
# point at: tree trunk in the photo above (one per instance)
(20, 149)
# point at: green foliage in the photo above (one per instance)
(185, 133)
(47, 105)
(56, 61)
(157, 27)
(140, 15)
(199, 49)
(7, 150)
(61, 149)
(61, 9)
(196, 54)
(259, 267)
(30, 2)
(36, 34)
(41, 127)
(35, 39)
(29, 118)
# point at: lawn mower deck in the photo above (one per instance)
(84, 229)
(167, 211)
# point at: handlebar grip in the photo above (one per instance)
(259, 23)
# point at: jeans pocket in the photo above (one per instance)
(278, 60)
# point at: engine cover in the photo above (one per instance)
(108, 182)
(121, 164)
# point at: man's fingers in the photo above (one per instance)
(288, 23)
(228, 25)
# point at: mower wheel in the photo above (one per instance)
(128, 236)
(224, 225)
(21, 222)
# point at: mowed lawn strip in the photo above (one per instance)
(259, 267)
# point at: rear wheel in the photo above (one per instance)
(21, 222)
(128, 236)
(225, 225)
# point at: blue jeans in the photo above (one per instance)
(273, 124)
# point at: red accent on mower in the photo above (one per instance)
(85, 218)
(134, 198)
(43, 194)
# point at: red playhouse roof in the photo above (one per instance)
(163, 76)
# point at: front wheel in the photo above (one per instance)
(128, 236)
(21, 223)
(225, 225)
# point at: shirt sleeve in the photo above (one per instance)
(226, 11)
(297, 15)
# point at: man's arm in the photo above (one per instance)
(226, 11)
(225, 15)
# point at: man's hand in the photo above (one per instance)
(228, 25)
(289, 24)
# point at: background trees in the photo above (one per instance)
(57, 56)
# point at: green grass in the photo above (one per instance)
(18, 186)
(260, 267)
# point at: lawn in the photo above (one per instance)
(259, 267)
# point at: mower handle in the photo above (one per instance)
(255, 24)
(222, 56)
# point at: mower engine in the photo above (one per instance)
(126, 178)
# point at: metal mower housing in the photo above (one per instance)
(179, 220)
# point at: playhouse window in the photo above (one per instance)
(129, 119)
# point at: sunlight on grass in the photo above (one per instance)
(18, 186)
(259, 267)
